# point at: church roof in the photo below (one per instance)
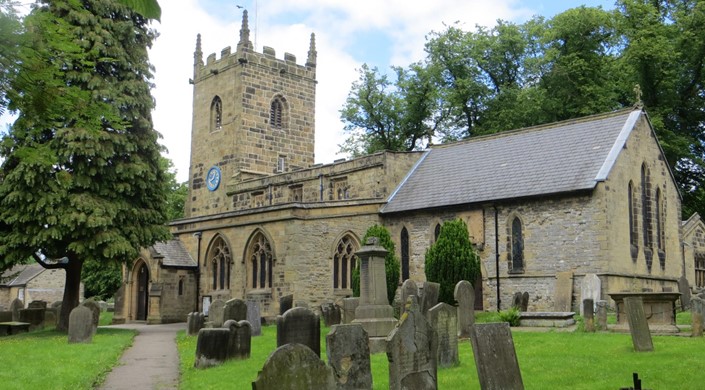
(173, 254)
(20, 275)
(556, 158)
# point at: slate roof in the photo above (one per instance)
(556, 158)
(21, 274)
(173, 254)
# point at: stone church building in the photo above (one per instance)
(590, 195)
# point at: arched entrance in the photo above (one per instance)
(142, 292)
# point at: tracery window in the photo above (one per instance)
(260, 262)
(660, 228)
(633, 226)
(278, 113)
(220, 263)
(516, 252)
(404, 254)
(646, 215)
(344, 262)
(216, 122)
(699, 269)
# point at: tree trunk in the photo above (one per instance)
(72, 291)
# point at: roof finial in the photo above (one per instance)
(312, 53)
(198, 54)
(244, 34)
(637, 92)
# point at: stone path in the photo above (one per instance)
(152, 362)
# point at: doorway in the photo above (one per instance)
(142, 292)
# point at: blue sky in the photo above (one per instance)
(348, 34)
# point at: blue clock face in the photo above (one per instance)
(213, 178)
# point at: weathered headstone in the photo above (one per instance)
(349, 356)
(15, 307)
(285, 303)
(524, 302)
(349, 307)
(591, 288)
(81, 325)
(697, 310)
(602, 314)
(235, 309)
(684, 289)
(299, 325)
(95, 311)
(294, 366)
(49, 319)
(516, 301)
(301, 304)
(588, 308)
(37, 305)
(411, 351)
(5, 316)
(429, 296)
(638, 327)
(444, 321)
(34, 317)
(212, 347)
(119, 297)
(563, 298)
(254, 318)
(216, 314)
(330, 313)
(464, 294)
(194, 323)
(240, 341)
(495, 357)
(408, 288)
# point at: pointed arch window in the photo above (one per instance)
(260, 262)
(278, 112)
(436, 232)
(660, 228)
(516, 252)
(216, 122)
(633, 225)
(344, 262)
(646, 215)
(404, 254)
(221, 263)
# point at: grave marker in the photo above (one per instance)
(349, 355)
(285, 303)
(300, 325)
(254, 318)
(235, 309)
(697, 310)
(349, 307)
(563, 298)
(638, 327)
(464, 294)
(15, 307)
(216, 314)
(330, 313)
(294, 366)
(408, 288)
(429, 297)
(444, 321)
(602, 314)
(516, 301)
(81, 325)
(524, 302)
(240, 341)
(194, 323)
(684, 289)
(212, 347)
(495, 357)
(591, 288)
(34, 317)
(95, 311)
(588, 308)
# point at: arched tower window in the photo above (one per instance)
(404, 254)
(633, 226)
(516, 251)
(260, 262)
(278, 112)
(216, 122)
(344, 262)
(436, 232)
(646, 215)
(221, 263)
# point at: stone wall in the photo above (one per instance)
(174, 307)
(48, 286)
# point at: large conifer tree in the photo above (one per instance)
(81, 176)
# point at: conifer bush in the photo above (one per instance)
(391, 262)
(451, 258)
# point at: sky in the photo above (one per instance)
(348, 33)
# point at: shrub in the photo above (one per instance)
(512, 316)
(391, 262)
(452, 258)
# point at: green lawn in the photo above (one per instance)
(548, 360)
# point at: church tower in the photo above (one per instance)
(253, 116)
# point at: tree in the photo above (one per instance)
(82, 179)
(101, 279)
(10, 28)
(391, 262)
(150, 9)
(177, 192)
(451, 258)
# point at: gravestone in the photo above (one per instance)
(254, 318)
(37, 305)
(349, 307)
(285, 303)
(429, 296)
(524, 302)
(235, 309)
(301, 304)
(638, 327)
(516, 301)
(588, 308)
(212, 347)
(81, 325)
(5, 316)
(15, 307)
(95, 310)
(49, 319)
(34, 317)
(684, 289)
(349, 355)
(697, 310)
(300, 325)
(194, 323)
(495, 357)
(591, 288)
(119, 298)
(411, 351)
(240, 341)
(563, 298)
(444, 321)
(216, 314)
(602, 314)
(331, 314)
(408, 288)
(464, 294)
(294, 366)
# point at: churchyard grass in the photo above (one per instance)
(547, 360)
(45, 359)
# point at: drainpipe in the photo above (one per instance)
(198, 269)
(496, 253)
